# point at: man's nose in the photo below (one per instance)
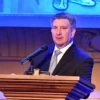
(58, 32)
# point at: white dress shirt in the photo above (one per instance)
(63, 50)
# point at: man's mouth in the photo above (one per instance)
(58, 37)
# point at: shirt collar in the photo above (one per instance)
(63, 50)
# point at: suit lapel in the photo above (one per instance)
(67, 57)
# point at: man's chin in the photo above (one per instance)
(60, 45)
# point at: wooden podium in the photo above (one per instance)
(29, 87)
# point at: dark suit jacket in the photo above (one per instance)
(75, 62)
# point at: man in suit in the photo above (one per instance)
(71, 61)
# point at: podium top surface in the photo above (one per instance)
(47, 77)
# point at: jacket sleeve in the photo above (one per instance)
(85, 69)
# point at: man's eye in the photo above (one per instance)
(64, 27)
(54, 27)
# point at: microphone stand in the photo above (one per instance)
(31, 70)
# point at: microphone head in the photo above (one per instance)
(44, 47)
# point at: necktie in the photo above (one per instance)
(53, 62)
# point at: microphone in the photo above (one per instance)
(34, 54)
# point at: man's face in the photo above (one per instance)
(62, 33)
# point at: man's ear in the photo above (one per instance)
(73, 32)
(51, 30)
